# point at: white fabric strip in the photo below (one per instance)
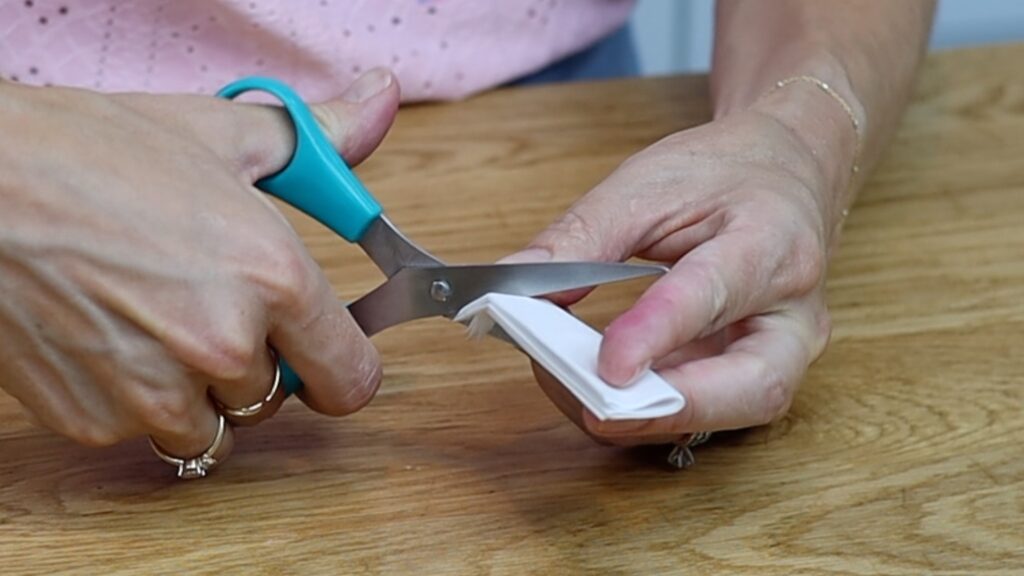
(568, 348)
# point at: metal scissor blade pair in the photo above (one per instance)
(420, 292)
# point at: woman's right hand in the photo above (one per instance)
(142, 274)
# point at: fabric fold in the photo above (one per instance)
(567, 347)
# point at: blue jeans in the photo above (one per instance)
(613, 57)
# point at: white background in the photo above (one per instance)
(675, 35)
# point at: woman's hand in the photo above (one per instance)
(745, 213)
(143, 274)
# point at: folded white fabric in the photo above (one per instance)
(567, 348)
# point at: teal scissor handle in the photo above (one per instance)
(316, 180)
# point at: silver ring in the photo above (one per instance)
(197, 466)
(681, 457)
(254, 409)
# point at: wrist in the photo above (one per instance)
(814, 102)
(825, 137)
(820, 125)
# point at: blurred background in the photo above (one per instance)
(674, 36)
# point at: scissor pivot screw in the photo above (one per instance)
(440, 290)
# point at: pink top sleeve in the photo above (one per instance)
(440, 49)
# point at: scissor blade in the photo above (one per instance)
(419, 292)
(537, 279)
(391, 251)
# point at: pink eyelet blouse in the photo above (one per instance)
(439, 49)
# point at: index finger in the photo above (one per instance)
(314, 332)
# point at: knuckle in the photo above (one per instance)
(93, 435)
(754, 260)
(716, 295)
(167, 413)
(807, 263)
(84, 429)
(87, 431)
(776, 395)
(224, 348)
(227, 351)
(286, 277)
(573, 228)
(225, 354)
(751, 266)
(787, 256)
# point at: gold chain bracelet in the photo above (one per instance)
(826, 88)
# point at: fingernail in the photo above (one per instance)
(528, 255)
(367, 86)
(637, 374)
(627, 382)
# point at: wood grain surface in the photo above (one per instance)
(902, 454)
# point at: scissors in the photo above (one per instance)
(317, 181)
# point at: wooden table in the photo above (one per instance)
(902, 454)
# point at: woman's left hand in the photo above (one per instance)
(746, 214)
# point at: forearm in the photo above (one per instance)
(866, 50)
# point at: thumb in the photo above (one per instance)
(260, 139)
